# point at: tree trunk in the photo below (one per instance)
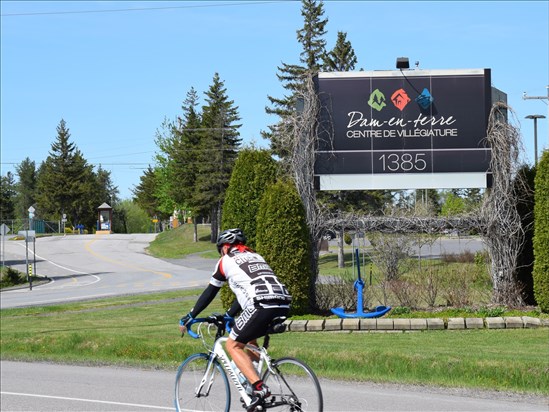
(340, 249)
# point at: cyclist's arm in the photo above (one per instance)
(204, 300)
(234, 309)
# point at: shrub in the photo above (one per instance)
(457, 287)
(253, 171)
(11, 277)
(340, 292)
(390, 253)
(464, 257)
(283, 239)
(428, 281)
(541, 233)
(405, 291)
(347, 238)
(493, 312)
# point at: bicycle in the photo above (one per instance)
(202, 384)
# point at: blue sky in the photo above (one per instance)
(114, 70)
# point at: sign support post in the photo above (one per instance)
(4, 230)
(32, 234)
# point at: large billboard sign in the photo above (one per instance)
(403, 129)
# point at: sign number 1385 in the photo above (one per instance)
(404, 162)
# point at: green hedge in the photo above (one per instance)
(283, 239)
(253, 171)
(541, 233)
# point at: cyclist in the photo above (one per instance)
(260, 297)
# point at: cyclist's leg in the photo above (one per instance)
(254, 356)
(242, 359)
(250, 325)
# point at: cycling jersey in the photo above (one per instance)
(250, 278)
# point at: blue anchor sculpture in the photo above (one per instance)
(359, 287)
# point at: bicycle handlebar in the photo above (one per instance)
(227, 320)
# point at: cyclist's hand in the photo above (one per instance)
(216, 319)
(230, 323)
(183, 323)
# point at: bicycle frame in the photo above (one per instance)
(218, 352)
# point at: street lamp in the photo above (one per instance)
(535, 117)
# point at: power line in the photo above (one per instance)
(141, 9)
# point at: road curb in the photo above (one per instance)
(35, 282)
(408, 325)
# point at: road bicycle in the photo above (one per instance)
(202, 381)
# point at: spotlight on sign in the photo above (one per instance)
(402, 63)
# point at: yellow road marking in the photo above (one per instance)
(87, 245)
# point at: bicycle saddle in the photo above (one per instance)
(277, 325)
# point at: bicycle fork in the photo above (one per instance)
(208, 378)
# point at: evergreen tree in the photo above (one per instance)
(7, 197)
(292, 76)
(473, 198)
(185, 147)
(342, 58)
(164, 180)
(179, 159)
(185, 153)
(144, 192)
(311, 35)
(217, 151)
(541, 233)
(26, 187)
(253, 171)
(106, 191)
(283, 240)
(65, 181)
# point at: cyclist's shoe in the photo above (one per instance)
(259, 394)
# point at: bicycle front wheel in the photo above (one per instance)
(200, 389)
(294, 387)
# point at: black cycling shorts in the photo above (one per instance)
(252, 323)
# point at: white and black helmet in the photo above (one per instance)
(230, 236)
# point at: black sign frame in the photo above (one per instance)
(404, 129)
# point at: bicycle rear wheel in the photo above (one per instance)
(215, 393)
(294, 387)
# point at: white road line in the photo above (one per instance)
(97, 278)
(138, 405)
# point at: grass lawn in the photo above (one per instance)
(178, 242)
(142, 331)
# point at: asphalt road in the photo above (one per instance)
(86, 266)
(52, 387)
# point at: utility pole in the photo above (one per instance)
(525, 97)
